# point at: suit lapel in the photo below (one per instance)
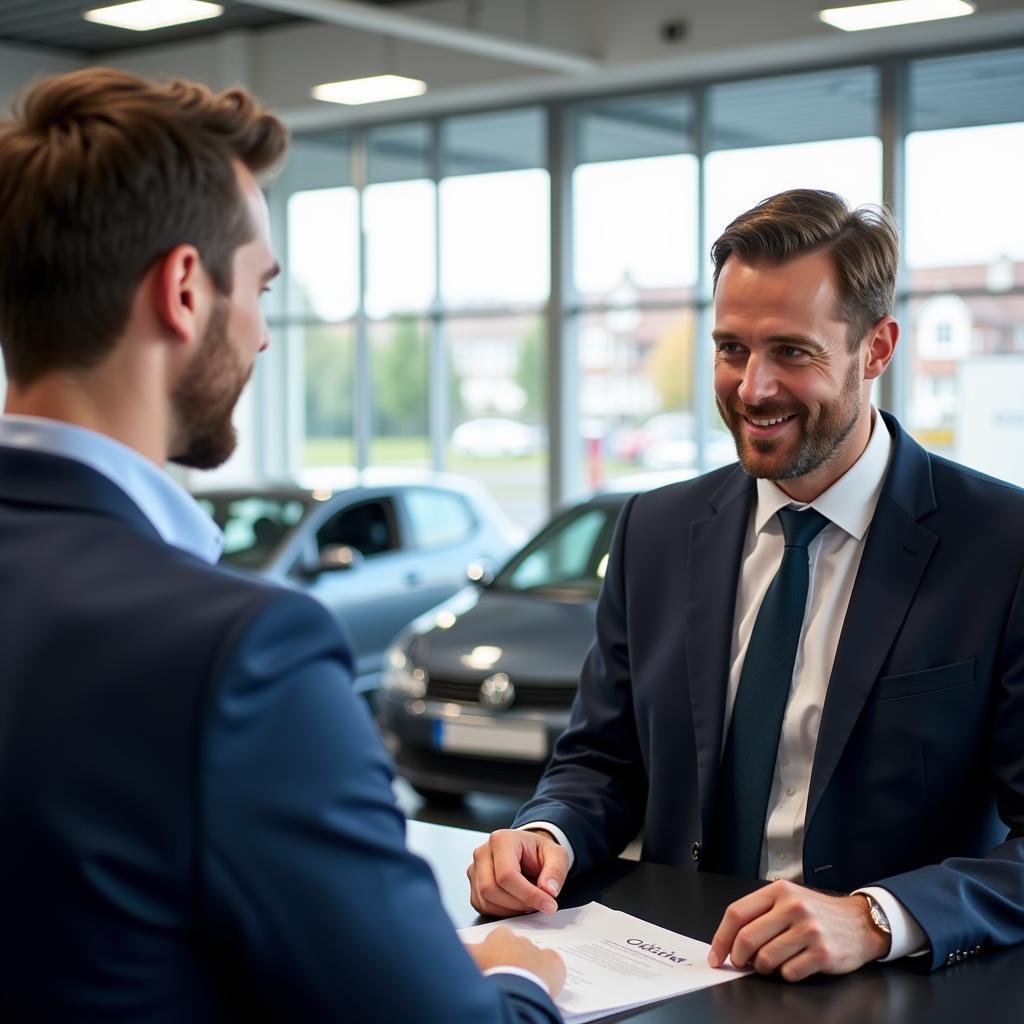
(896, 554)
(715, 551)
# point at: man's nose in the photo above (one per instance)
(759, 381)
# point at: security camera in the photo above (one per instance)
(674, 31)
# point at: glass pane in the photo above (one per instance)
(569, 555)
(787, 109)
(634, 127)
(398, 221)
(253, 526)
(398, 152)
(965, 226)
(635, 229)
(328, 365)
(399, 367)
(497, 409)
(738, 179)
(509, 140)
(438, 518)
(636, 399)
(970, 89)
(323, 260)
(967, 376)
(495, 238)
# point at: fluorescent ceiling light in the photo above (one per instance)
(143, 15)
(895, 12)
(369, 90)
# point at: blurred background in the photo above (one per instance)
(503, 274)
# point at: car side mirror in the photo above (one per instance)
(480, 573)
(339, 558)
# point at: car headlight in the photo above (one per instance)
(402, 676)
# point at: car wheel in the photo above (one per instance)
(440, 797)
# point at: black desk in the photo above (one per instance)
(988, 990)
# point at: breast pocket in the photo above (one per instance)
(929, 680)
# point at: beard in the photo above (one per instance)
(820, 439)
(204, 398)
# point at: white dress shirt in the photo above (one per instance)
(834, 558)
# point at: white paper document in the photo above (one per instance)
(614, 962)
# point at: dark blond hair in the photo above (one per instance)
(863, 244)
(101, 174)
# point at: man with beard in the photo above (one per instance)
(198, 822)
(809, 667)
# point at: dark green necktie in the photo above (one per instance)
(752, 744)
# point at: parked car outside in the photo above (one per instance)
(378, 549)
(475, 692)
(495, 437)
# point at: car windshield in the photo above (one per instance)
(253, 524)
(568, 557)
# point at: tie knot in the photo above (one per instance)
(801, 526)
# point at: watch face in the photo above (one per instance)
(878, 916)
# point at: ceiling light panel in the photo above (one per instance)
(369, 90)
(896, 12)
(145, 15)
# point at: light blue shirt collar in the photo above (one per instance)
(171, 510)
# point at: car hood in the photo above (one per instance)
(528, 637)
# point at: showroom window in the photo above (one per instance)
(965, 258)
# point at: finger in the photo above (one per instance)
(554, 868)
(486, 896)
(508, 875)
(737, 915)
(771, 955)
(801, 966)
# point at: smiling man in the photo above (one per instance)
(809, 667)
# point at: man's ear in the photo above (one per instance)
(880, 347)
(180, 285)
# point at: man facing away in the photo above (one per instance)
(196, 812)
(808, 668)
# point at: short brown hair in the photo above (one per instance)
(101, 174)
(863, 244)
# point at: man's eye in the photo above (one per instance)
(791, 352)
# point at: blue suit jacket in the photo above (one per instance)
(196, 817)
(919, 767)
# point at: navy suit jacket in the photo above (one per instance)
(196, 816)
(918, 775)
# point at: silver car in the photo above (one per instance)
(377, 551)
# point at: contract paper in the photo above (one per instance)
(614, 962)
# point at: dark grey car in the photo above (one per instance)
(475, 693)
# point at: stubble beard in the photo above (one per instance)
(205, 397)
(820, 443)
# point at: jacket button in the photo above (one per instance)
(695, 852)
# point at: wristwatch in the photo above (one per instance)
(878, 918)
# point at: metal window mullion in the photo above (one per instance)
(894, 96)
(563, 366)
(362, 377)
(702, 313)
(439, 397)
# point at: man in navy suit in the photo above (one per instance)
(197, 815)
(882, 758)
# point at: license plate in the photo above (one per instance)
(525, 741)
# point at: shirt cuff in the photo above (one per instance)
(519, 972)
(907, 937)
(559, 835)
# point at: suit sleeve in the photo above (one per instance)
(968, 904)
(303, 876)
(595, 787)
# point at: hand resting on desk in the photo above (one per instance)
(503, 948)
(517, 871)
(796, 931)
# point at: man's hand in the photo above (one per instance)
(515, 872)
(503, 948)
(787, 928)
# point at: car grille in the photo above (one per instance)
(528, 695)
